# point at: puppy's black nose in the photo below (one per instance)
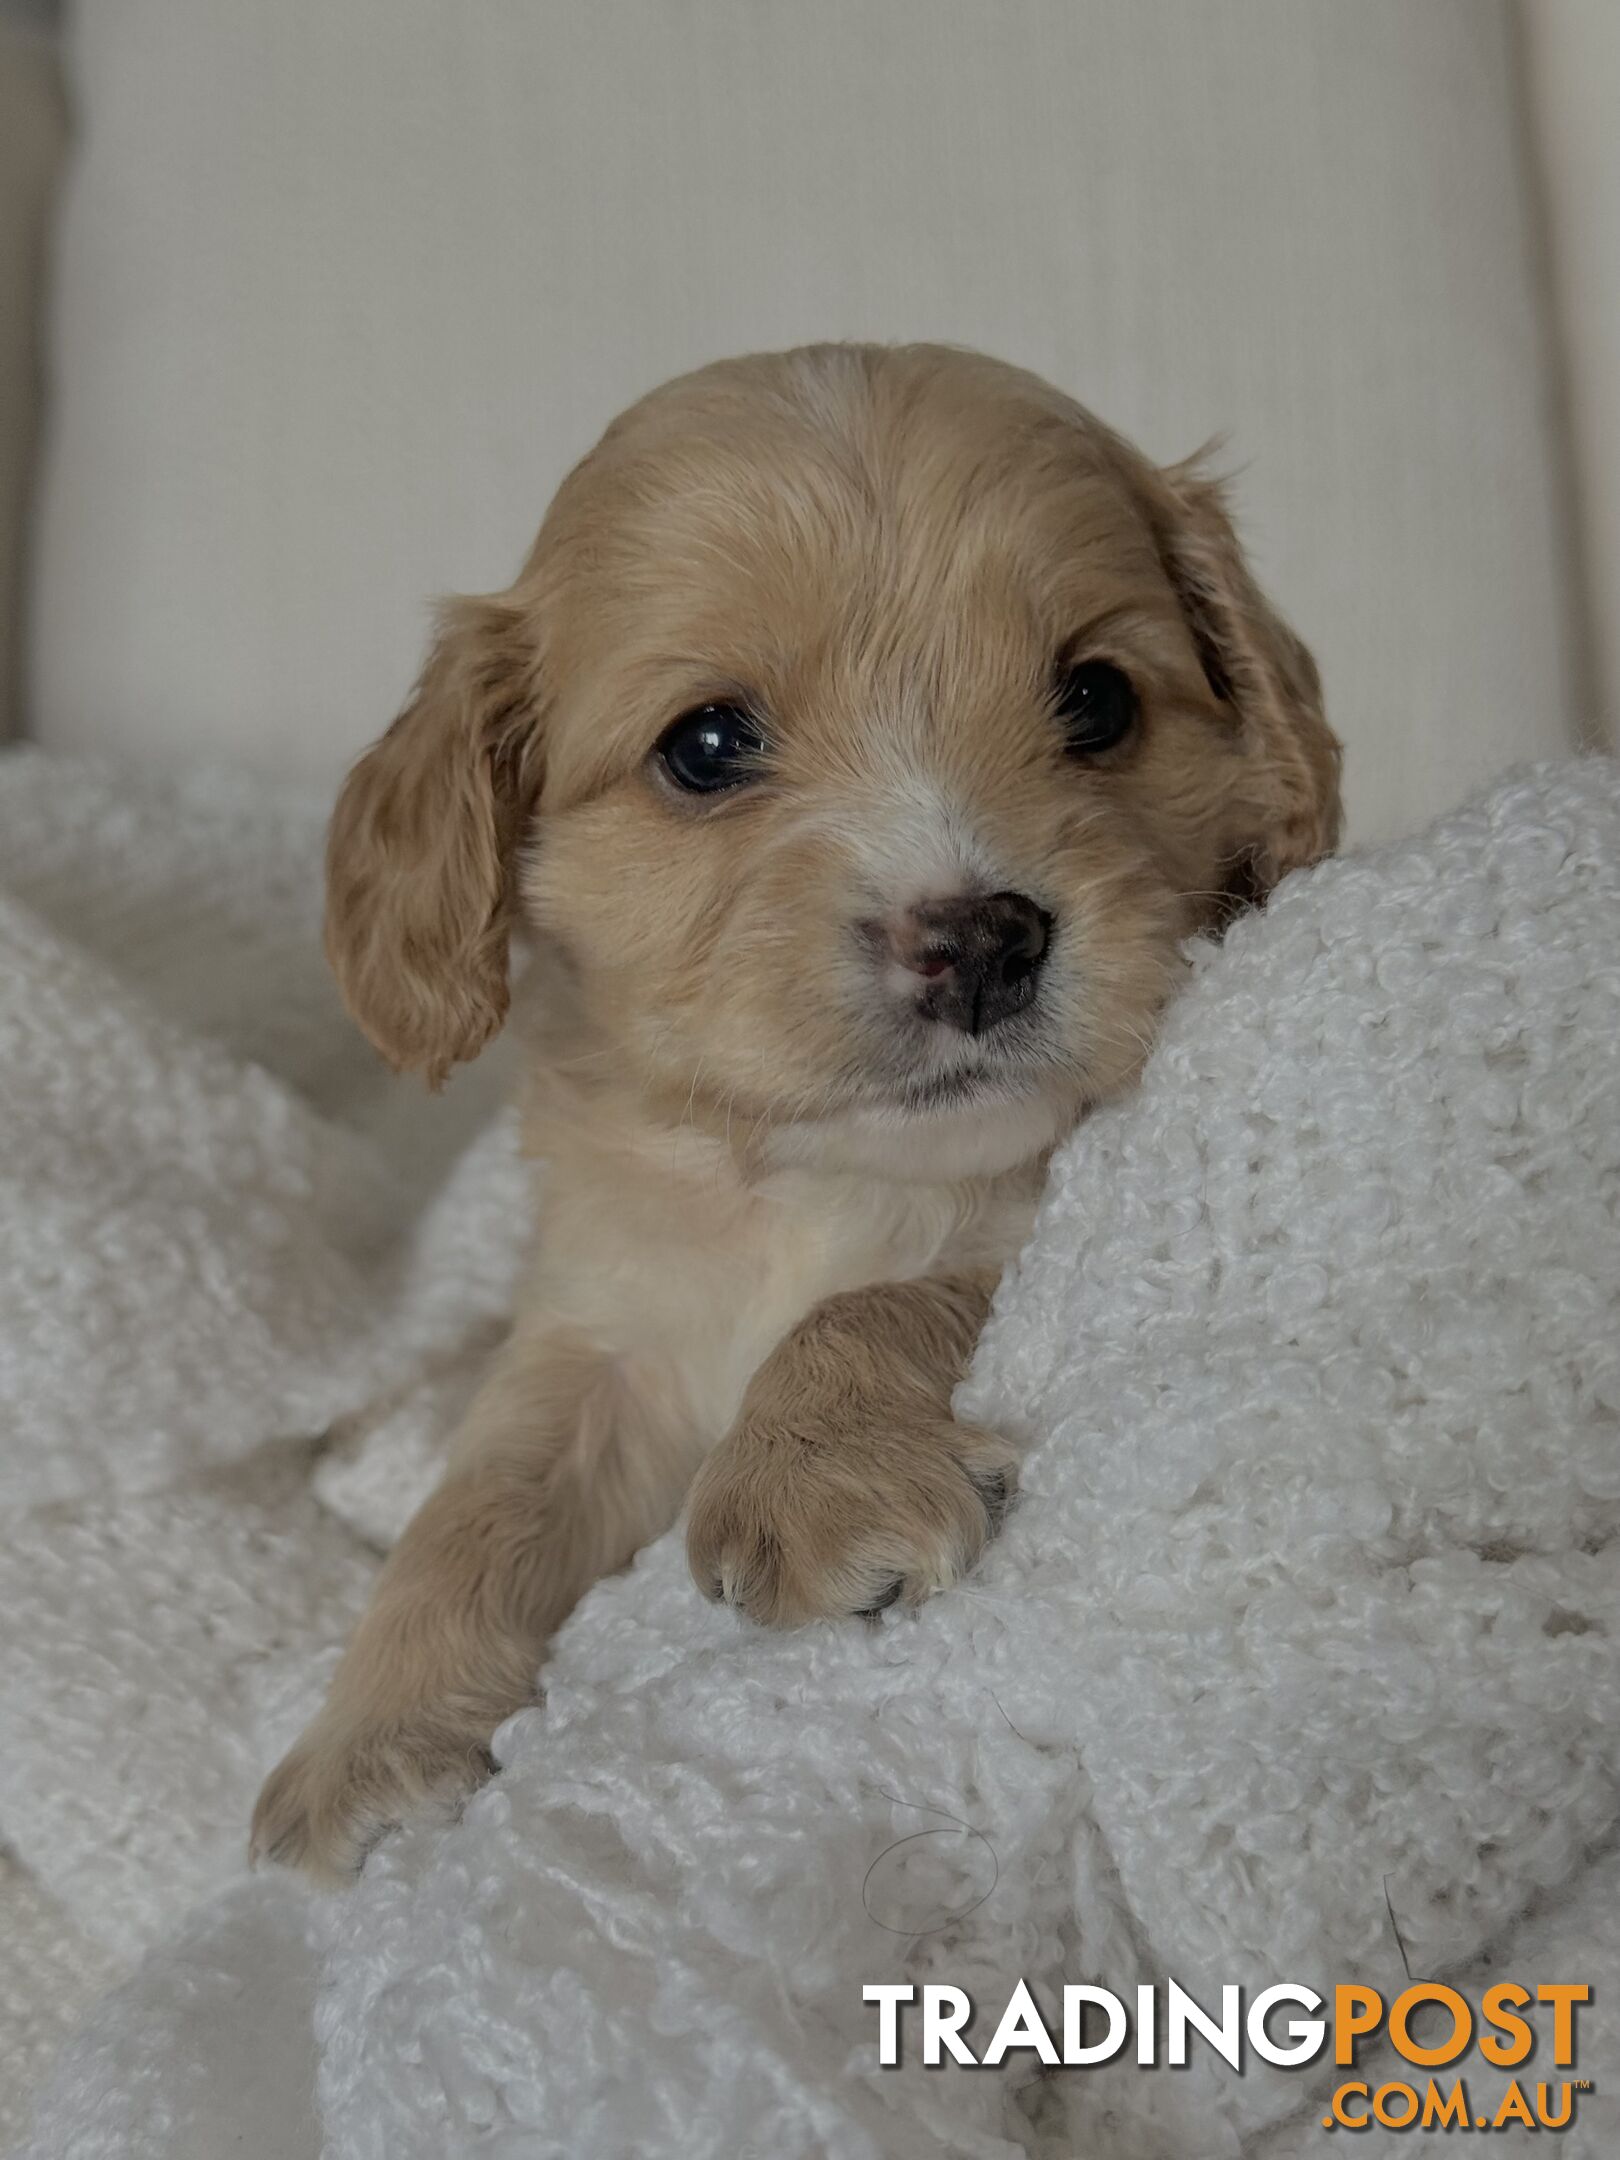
(977, 960)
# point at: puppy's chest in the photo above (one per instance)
(700, 1279)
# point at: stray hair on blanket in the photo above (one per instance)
(913, 1838)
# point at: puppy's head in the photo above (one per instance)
(863, 734)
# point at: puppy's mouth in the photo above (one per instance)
(978, 1082)
(950, 1090)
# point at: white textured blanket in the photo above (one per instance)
(1297, 1659)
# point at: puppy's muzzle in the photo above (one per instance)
(978, 961)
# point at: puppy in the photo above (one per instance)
(865, 732)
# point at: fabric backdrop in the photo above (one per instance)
(31, 132)
(345, 285)
(1572, 52)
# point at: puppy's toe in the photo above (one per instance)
(329, 1801)
(788, 1533)
(890, 1596)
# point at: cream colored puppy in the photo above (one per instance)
(865, 731)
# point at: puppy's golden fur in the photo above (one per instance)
(779, 1193)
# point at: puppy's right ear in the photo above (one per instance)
(419, 862)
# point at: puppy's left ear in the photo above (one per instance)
(1288, 810)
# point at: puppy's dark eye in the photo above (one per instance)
(1097, 705)
(716, 747)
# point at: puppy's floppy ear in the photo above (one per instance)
(420, 856)
(1289, 809)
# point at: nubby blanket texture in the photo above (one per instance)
(1296, 1659)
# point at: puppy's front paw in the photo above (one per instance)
(790, 1526)
(347, 1783)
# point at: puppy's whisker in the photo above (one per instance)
(686, 1123)
(583, 1060)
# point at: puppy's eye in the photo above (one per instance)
(716, 747)
(1097, 705)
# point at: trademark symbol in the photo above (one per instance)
(1583, 2084)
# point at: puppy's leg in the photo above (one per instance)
(845, 1482)
(567, 1463)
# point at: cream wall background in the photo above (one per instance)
(344, 285)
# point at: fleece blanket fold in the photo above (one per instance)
(1296, 1660)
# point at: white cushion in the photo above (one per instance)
(347, 284)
